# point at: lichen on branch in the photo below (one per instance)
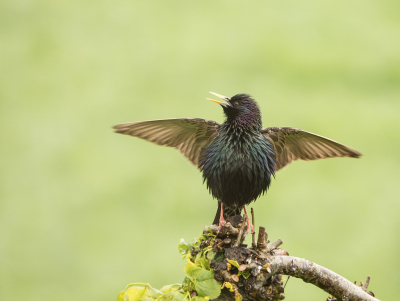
(220, 267)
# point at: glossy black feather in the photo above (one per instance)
(239, 163)
(237, 158)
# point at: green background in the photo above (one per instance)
(84, 211)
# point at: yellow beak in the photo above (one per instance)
(220, 102)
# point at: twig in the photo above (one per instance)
(286, 281)
(321, 277)
(261, 238)
(230, 229)
(239, 236)
(253, 234)
(366, 283)
(228, 226)
(274, 245)
(364, 286)
(212, 228)
(226, 275)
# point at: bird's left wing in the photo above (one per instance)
(191, 136)
(292, 144)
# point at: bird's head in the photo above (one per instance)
(240, 108)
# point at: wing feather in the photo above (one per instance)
(293, 144)
(191, 136)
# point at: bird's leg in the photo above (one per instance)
(222, 221)
(249, 225)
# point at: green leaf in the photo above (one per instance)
(202, 237)
(170, 288)
(202, 262)
(141, 291)
(246, 275)
(197, 298)
(183, 248)
(203, 280)
(210, 255)
(210, 233)
(152, 292)
(209, 287)
(229, 286)
(219, 257)
(121, 296)
(233, 262)
(135, 293)
(187, 285)
(172, 296)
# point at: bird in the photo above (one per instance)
(239, 157)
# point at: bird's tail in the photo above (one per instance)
(228, 211)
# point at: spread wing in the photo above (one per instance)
(191, 136)
(293, 144)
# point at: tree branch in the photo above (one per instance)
(313, 273)
(265, 264)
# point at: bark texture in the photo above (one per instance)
(258, 273)
(325, 279)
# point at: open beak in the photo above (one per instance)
(222, 103)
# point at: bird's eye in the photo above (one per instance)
(235, 103)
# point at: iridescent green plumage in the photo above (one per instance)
(239, 163)
(237, 158)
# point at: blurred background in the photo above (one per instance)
(84, 211)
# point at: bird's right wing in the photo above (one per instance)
(292, 144)
(191, 136)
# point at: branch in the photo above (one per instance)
(313, 273)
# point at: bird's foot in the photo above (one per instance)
(222, 222)
(249, 225)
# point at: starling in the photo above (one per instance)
(238, 157)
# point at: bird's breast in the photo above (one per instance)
(237, 169)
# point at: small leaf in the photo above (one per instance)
(202, 237)
(210, 255)
(210, 233)
(266, 265)
(187, 285)
(121, 296)
(170, 288)
(197, 298)
(238, 297)
(136, 285)
(202, 262)
(203, 280)
(135, 294)
(153, 293)
(183, 248)
(209, 287)
(219, 257)
(172, 296)
(229, 286)
(246, 275)
(233, 262)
